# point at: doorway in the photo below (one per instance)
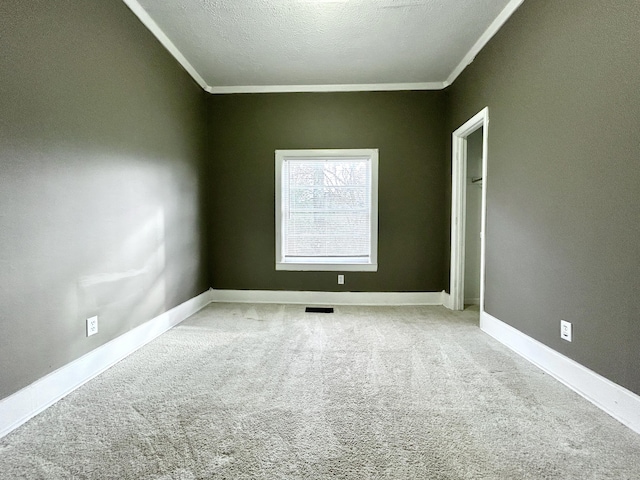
(468, 211)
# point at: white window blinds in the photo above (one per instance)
(326, 209)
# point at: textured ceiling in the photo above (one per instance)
(276, 43)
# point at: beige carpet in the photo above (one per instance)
(269, 392)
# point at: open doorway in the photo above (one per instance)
(468, 211)
(473, 217)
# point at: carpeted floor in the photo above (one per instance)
(270, 392)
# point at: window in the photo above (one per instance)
(327, 210)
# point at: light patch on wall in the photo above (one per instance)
(138, 292)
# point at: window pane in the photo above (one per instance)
(326, 207)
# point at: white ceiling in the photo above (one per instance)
(323, 45)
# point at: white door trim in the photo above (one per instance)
(458, 206)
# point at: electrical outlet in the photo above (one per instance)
(340, 279)
(566, 330)
(92, 326)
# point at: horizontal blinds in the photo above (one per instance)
(327, 207)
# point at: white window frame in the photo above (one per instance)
(345, 265)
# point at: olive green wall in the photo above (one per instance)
(406, 127)
(102, 178)
(563, 191)
(100, 133)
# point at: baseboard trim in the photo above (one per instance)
(327, 298)
(33, 399)
(617, 401)
(446, 300)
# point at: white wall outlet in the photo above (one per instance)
(92, 326)
(340, 279)
(566, 330)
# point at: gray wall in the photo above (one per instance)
(101, 181)
(99, 184)
(563, 222)
(406, 127)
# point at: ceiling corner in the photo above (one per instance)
(488, 34)
(155, 29)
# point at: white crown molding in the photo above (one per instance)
(23, 405)
(153, 27)
(327, 298)
(617, 401)
(365, 87)
(488, 34)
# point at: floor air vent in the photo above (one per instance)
(319, 309)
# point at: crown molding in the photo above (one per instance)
(153, 27)
(488, 34)
(364, 87)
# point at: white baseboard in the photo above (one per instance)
(327, 298)
(33, 399)
(446, 300)
(617, 401)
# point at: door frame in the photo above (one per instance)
(459, 206)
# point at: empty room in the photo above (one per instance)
(320, 239)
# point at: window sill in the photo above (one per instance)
(328, 267)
